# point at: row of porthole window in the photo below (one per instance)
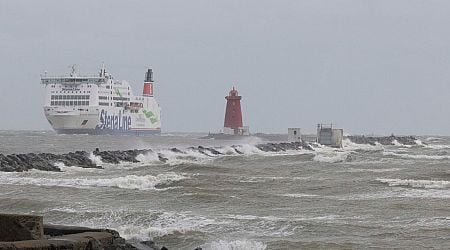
(70, 97)
(71, 92)
(69, 103)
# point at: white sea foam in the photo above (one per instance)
(256, 179)
(227, 150)
(400, 192)
(145, 182)
(63, 210)
(300, 195)
(429, 184)
(174, 158)
(410, 156)
(235, 245)
(63, 166)
(373, 170)
(253, 217)
(141, 225)
(149, 157)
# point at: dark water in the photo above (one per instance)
(358, 197)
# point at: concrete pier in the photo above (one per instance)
(27, 232)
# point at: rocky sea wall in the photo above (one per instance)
(383, 140)
(83, 159)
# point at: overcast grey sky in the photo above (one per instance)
(368, 66)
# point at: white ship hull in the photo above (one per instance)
(65, 121)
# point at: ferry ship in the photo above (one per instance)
(99, 104)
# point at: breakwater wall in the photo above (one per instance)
(83, 159)
(383, 140)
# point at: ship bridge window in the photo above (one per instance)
(121, 99)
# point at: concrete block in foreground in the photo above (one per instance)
(17, 227)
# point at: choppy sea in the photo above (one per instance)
(360, 196)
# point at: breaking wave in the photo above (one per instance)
(331, 157)
(146, 182)
(349, 145)
(131, 224)
(398, 144)
(164, 223)
(428, 184)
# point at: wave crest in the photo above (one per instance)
(410, 156)
(146, 182)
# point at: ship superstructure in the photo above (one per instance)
(76, 104)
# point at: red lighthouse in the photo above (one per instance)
(233, 115)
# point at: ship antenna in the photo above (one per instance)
(103, 70)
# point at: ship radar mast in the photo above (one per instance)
(74, 71)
